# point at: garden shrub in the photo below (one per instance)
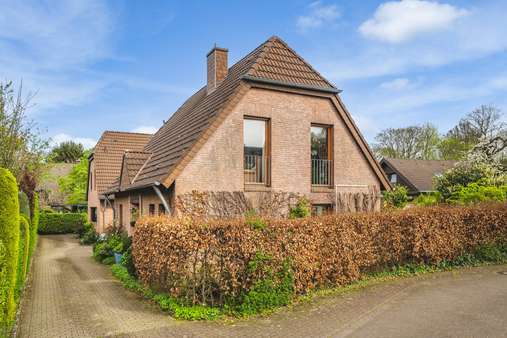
(474, 193)
(88, 235)
(23, 255)
(396, 198)
(104, 248)
(301, 210)
(34, 224)
(428, 199)
(226, 261)
(9, 242)
(61, 223)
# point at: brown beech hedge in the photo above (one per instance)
(212, 262)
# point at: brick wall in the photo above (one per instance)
(218, 166)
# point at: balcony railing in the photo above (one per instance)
(256, 169)
(322, 172)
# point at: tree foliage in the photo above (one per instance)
(67, 152)
(414, 142)
(74, 185)
(21, 146)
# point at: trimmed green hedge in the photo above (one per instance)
(34, 224)
(23, 256)
(61, 223)
(9, 241)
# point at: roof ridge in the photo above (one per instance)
(125, 132)
(265, 46)
(271, 42)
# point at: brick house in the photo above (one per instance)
(104, 165)
(260, 134)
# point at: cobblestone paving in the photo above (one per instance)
(72, 296)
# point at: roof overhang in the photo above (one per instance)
(290, 85)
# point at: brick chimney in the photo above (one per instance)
(217, 67)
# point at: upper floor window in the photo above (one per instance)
(91, 181)
(256, 138)
(321, 154)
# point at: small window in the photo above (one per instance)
(161, 209)
(393, 178)
(322, 209)
(121, 215)
(151, 210)
(91, 181)
(93, 214)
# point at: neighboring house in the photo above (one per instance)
(49, 191)
(260, 134)
(104, 168)
(416, 175)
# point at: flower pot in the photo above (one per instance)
(117, 257)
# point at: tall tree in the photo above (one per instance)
(21, 146)
(414, 142)
(74, 184)
(68, 152)
(481, 124)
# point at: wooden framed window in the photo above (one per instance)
(120, 212)
(151, 209)
(257, 150)
(93, 214)
(321, 137)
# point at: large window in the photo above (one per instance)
(256, 150)
(121, 215)
(321, 153)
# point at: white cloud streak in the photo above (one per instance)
(318, 16)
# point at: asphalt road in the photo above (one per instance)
(72, 296)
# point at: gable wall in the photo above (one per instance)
(218, 166)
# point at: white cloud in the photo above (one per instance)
(318, 16)
(396, 84)
(145, 130)
(400, 21)
(481, 33)
(62, 137)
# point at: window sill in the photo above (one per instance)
(322, 188)
(256, 187)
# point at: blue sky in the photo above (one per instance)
(127, 65)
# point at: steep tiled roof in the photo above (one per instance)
(273, 60)
(108, 154)
(134, 161)
(419, 173)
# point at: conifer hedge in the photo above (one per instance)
(9, 242)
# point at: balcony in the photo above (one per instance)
(322, 172)
(256, 169)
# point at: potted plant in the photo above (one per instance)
(118, 251)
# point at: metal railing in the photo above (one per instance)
(322, 172)
(256, 169)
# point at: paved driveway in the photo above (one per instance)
(72, 296)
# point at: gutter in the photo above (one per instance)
(290, 85)
(161, 197)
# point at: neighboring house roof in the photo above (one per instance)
(418, 173)
(49, 182)
(109, 152)
(272, 63)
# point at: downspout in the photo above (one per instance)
(109, 202)
(161, 197)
